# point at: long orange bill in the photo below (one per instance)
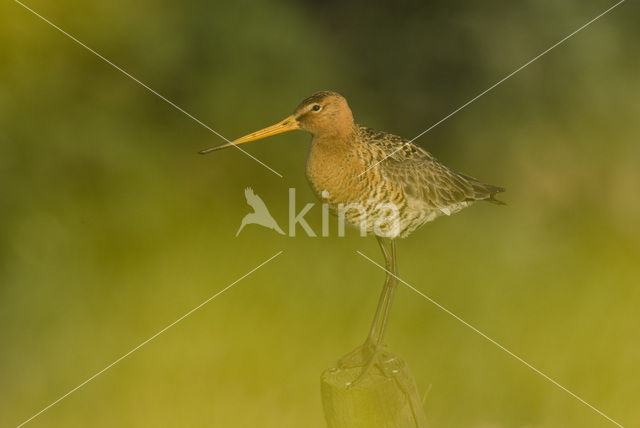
(288, 124)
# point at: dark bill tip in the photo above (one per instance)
(213, 149)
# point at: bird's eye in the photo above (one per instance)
(316, 107)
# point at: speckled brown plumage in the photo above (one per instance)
(401, 181)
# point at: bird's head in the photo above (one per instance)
(323, 113)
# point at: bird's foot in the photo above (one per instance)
(359, 356)
(372, 360)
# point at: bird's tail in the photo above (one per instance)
(488, 192)
(485, 192)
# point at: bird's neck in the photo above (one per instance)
(337, 140)
(333, 161)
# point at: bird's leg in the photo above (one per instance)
(372, 349)
(364, 353)
(392, 280)
(374, 332)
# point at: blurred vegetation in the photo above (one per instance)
(112, 226)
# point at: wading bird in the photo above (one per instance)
(381, 183)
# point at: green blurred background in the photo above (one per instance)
(112, 226)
